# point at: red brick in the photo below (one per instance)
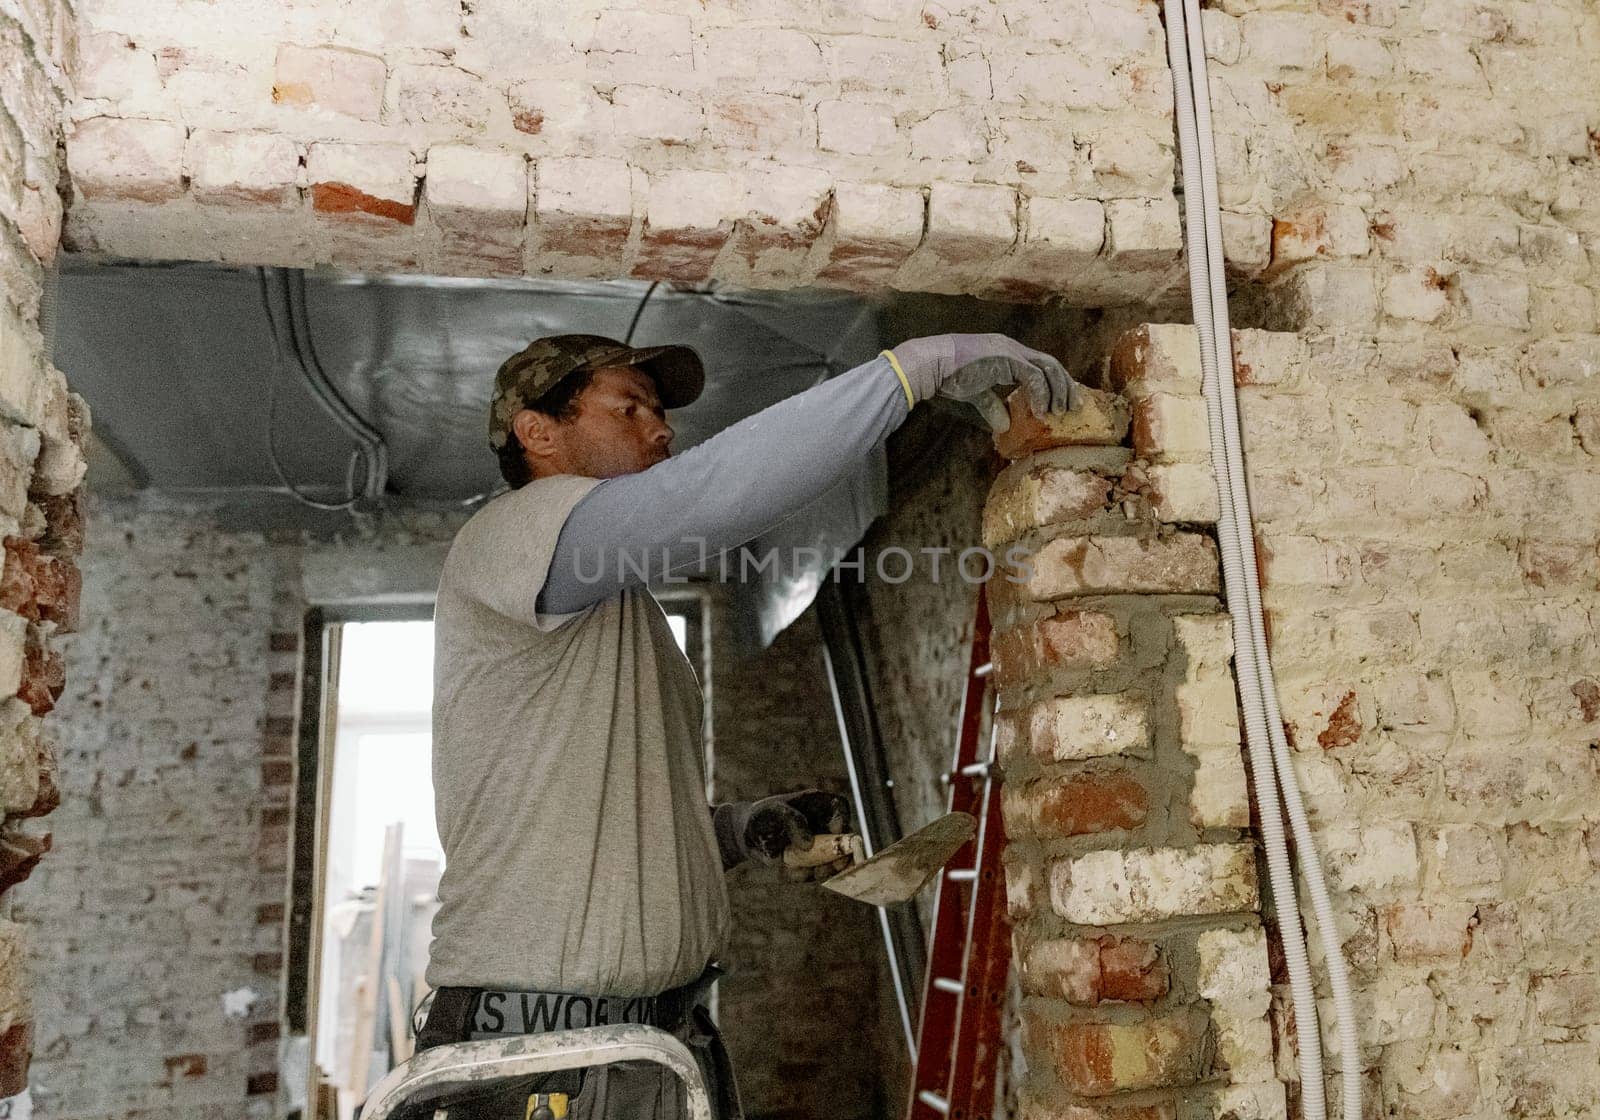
(20, 853)
(49, 796)
(1101, 419)
(63, 523)
(1161, 1052)
(1090, 971)
(342, 198)
(1085, 803)
(38, 586)
(44, 676)
(1430, 934)
(185, 1065)
(16, 1052)
(1344, 725)
(1069, 639)
(260, 1084)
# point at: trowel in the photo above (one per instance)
(896, 873)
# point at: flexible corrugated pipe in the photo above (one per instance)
(1271, 765)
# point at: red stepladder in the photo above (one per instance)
(958, 1037)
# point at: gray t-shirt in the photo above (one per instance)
(568, 775)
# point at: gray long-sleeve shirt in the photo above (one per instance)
(736, 485)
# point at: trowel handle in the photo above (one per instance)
(826, 847)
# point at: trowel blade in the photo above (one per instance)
(902, 869)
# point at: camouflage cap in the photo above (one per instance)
(530, 373)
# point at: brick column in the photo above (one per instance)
(1131, 869)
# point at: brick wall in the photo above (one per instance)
(42, 427)
(161, 959)
(959, 147)
(803, 1004)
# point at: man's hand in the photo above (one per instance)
(968, 367)
(763, 830)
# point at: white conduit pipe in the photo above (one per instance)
(1271, 765)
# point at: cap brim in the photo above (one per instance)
(677, 370)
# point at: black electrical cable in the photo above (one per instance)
(627, 339)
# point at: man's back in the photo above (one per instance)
(568, 776)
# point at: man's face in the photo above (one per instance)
(619, 427)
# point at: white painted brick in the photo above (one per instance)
(660, 115)
(441, 101)
(19, 734)
(1144, 226)
(22, 380)
(242, 168)
(1070, 728)
(333, 79)
(783, 212)
(112, 66)
(971, 218)
(1147, 884)
(873, 229)
(1127, 161)
(1266, 1100)
(759, 122)
(1352, 55)
(1282, 40)
(884, 66)
(856, 127)
(476, 190)
(378, 179)
(1420, 294)
(654, 40)
(13, 639)
(1371, 856)
(583, 209)
(127, 160)
(1208, 713)
(563, 112)
(767, 58)
(1183, 492)
(1205, 642)
(1169, 428)
(959, 135)
(1247, 240)
(1063, 229)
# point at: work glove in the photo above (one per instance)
(968, 367)
(762, 830)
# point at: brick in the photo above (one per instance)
(1376, 856)
(1465, 857)
(1567, 999)
(758, 122)
(1266, 357)
(1265, 1100)
(1445, 1085)
(858, 128)
(884, 66)
(1157, 357)
(443, 100)
(1163, 1051)
(1171, 429)
(242, 168)
(1434, 934)
(583, 212)
(1246, 242)
(784, 213)
(566, 113)
(1181, 563)
(112, 66)
(969, 221)
(1420, 294)
(1068, 639)
(481, 191)
(19, 448)
(1022, 886)
(687, 221)
(1088, 972)
(871, 231)
(1031, 494)
(764, 58)
(1220, 795)
(1183, 492)
(334, 79)
(1073, 728)
(127, 160)
(1081, 804)
(1205, 642)
(657, 115)
(20, 750)
(1148, 884)
(371, 183)
(624, 41)
(1143, 231)
(1101, 419)
(16, 1052)
(1060, 234)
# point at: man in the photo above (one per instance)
(583, 879)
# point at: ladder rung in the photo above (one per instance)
(971, 770)
(984, 670)
(962, 874)
(946, 984)
(934, 1101)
